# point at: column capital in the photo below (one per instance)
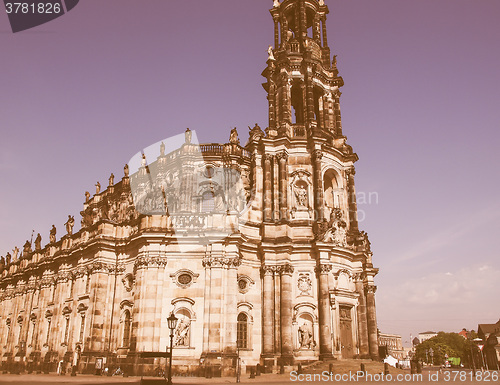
(317, 155)
(267, 157)
(323, 268)
(286, 269)
(370, 289)
(282, 156)
(221, 262)
(268, 270)
(350, 171)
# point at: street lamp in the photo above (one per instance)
(172, 323)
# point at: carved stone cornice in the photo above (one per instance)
(221, 262)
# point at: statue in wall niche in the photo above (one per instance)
(188, 136)
(112, 179)
(306, 340)
(38, 242)
(52, 234)
(125, 171)
(182, 332)
(301, 195)
(233, 137)
(69, 224)
(97, 188)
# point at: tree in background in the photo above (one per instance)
(451, 344)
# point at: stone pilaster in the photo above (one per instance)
(99, 285)
(338, 119)
(286, 272)
(372, 321)
(272, 103)
(231, 309)
(268, 312)
(276, 32)
(364, 349)
(318, 185)
(309, 97)
(283, 185)
(351, 196)
(325, 37)
(317, 29)
(268, 185)
(325, 335)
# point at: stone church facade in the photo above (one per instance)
(256, 249)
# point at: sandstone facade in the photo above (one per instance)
(255, 248)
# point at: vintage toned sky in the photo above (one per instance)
(80, 95)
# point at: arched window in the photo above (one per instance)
(126, 328)
(332, 192)
(242, 332)
(208, 202)
(297, 104)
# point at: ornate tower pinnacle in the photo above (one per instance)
(302, 81)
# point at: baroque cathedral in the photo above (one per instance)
(256, 249)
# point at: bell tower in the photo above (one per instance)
(302, 80)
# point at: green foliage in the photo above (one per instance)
(452, 344)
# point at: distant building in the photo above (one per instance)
(464, 333)
(490, 334)
(393, 345)
(426, 335)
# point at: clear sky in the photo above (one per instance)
(81, 95)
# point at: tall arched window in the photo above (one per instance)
(242, 332)
(126, 328)
(331, 188)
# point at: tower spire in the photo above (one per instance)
(302, 83)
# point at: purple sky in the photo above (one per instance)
(81, 95)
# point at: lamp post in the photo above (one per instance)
(172, 323)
